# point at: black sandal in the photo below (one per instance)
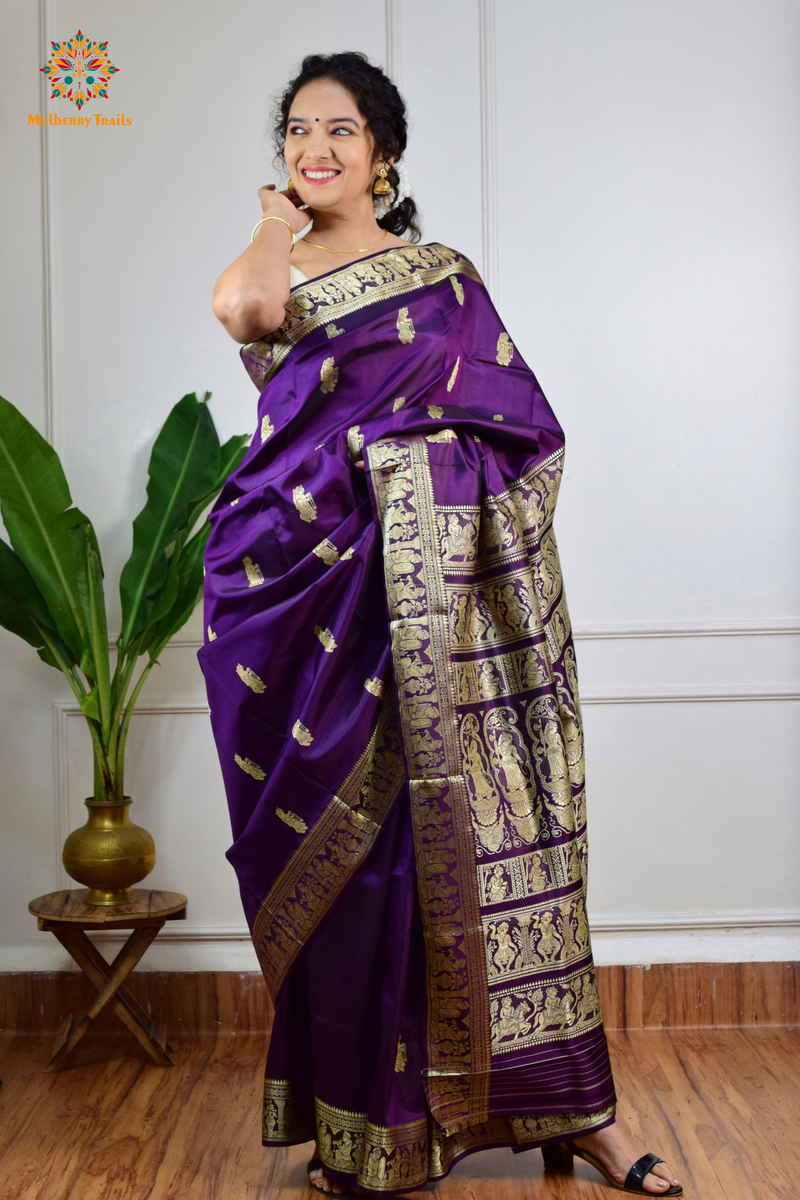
(316, 1164)
(558, 1157)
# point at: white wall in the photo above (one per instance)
(627, 177)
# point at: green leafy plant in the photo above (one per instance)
(51, 576)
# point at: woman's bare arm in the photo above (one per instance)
(249, 297)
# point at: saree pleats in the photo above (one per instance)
(348, 1045)
(393, 692)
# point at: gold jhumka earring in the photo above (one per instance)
(290, 185)
(382, 186)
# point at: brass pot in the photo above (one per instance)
(109, 853)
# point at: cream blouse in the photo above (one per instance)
(296, 276)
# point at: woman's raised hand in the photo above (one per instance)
(284, 204)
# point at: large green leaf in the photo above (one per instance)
(187, 595)
(95, 663)
(230, 455)
(23, 609)
(35, 503)
(184, 466)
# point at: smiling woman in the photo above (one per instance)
(340, 128)
(393, 688)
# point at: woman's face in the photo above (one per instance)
(329, 150)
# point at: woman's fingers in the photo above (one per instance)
(360, 463)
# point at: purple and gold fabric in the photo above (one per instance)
(393, 693)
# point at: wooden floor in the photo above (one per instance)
(721, 1105)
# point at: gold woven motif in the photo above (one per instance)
(301, 734)
(249, 767)
(327, 552)
(292, 819)
(248, 676)
(505, 350)
(327, 638)
(304, 503)
(253, 572)
(405, 327)
(328, 375)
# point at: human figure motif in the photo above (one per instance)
(484, 801)
(520, 609)
(532, 670)
(479, 621)
(375, 1165)
(574, 865)
(459, 540)
(515, 781)
(506, 952)
(553, 751)
(465, 680)
(511, 1021)
(581, 927)
(498, 534)
(591, 1001)
(497, 887)
(489, 680)
(537, 881)
(549, 569)
(554, 775)
(343, 1151)
(325, 1143)
(549, 939)
(557, 1011)
(573, 743)
(459, 617)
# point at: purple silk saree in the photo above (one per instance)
(393, 694)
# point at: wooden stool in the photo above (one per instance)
(65, 915)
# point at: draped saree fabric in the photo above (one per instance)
(393, 694)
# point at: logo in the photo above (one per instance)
(79, 70)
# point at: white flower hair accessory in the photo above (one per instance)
(385, 204)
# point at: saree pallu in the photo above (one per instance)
(393, 693)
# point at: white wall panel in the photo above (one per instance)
(627, 178)
(439, 82)
(650, 273)
(22, 329)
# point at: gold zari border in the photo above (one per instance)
(321, 301)
(395, 1157)
(331, 850)
(458, 1039)
(485, 782)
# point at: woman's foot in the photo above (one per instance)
(321, 1180)
(617, 1153)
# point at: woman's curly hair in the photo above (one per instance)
(381, 106)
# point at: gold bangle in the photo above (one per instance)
(286, 223)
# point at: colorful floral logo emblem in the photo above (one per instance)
(79, 70)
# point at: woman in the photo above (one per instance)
(392, 687)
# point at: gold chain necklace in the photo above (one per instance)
(317, 246)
